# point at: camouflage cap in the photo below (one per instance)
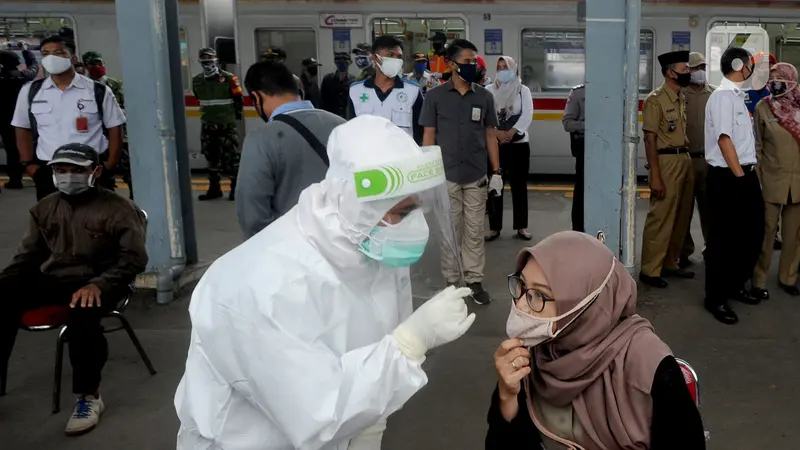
(362, 48)
(90, 57)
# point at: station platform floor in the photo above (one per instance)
(748, 372)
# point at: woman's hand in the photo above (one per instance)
(512, 362)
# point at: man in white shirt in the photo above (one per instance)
(736, 206)
(64, 110)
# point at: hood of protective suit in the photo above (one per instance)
(329, 213)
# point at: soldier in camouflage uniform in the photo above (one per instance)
(220, 98)
(96, 70)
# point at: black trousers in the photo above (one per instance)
(577, 143)
(44, 178)
(13, 166)
(88, 348)
(735, 231)
(515, 160)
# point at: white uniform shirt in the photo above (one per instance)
(398, 106)
(726, 114)
(56, 113)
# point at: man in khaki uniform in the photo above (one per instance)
(671, 175)
(697, 95)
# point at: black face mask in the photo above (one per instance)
(259, 107)
(438, 46)
(313, 71)
(777, 87)
(683, 79)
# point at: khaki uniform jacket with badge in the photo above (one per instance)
(778, 156)
(664, 114)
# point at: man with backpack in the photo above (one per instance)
(284, 157)
(65, 108)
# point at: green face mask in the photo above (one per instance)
(398, 245)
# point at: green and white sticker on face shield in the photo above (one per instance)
(401, 178)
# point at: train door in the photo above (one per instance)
(298, 44)
(784, 38)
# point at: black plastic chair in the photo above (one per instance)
(36, 321)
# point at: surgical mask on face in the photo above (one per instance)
(362, 62)
(468, 71)
(399, 245)
(778, 88)
(210, 67)
(535, 330)
(56, 64)
(438, 46)
(699, 77)
(73, 183)
(506, 76)
(342, 66)
(420, 67)
(390, 67)
(683, 79)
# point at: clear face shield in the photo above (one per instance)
(416, 230)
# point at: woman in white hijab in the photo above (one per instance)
(514, 105)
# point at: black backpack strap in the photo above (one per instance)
(312, 140)
(36, 86)
(99, 98)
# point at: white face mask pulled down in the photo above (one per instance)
(534, 330)
(56, 64)
(391, 67)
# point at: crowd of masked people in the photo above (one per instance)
(580, 368)
(732, 149)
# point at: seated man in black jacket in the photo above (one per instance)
(83, 248)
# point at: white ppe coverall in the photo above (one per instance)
(291, 344)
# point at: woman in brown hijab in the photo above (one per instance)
(582, 370)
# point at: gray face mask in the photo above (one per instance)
(73, 183)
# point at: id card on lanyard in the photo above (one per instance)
(81, 122)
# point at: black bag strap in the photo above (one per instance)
(36, 86)
(301, 129)
(99, 98)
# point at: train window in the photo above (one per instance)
(298, 45)
(415, 33)
(784, 39)
(186, 72)
(556, 60)
(30, 30)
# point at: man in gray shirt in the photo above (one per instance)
(460, 117)
(278, 161)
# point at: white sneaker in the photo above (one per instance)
(85, 415)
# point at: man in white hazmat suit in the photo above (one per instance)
(303, 337)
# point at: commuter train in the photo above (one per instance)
(545, 37)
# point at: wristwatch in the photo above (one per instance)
(25, 164)
(497, 172)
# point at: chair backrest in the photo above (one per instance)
(692, 383)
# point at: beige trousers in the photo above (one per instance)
(668, 219)
(790, 253)
(700, 170)
(467, 211)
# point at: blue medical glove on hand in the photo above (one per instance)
(438, 321)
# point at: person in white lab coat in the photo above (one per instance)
(303, 337)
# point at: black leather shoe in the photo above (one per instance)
(745, 297)
(723, 313)
(656, 282)
(677, 273)
(684, 262)
(761, 294)
(524, 235)
(491, 236)
(791, 290)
